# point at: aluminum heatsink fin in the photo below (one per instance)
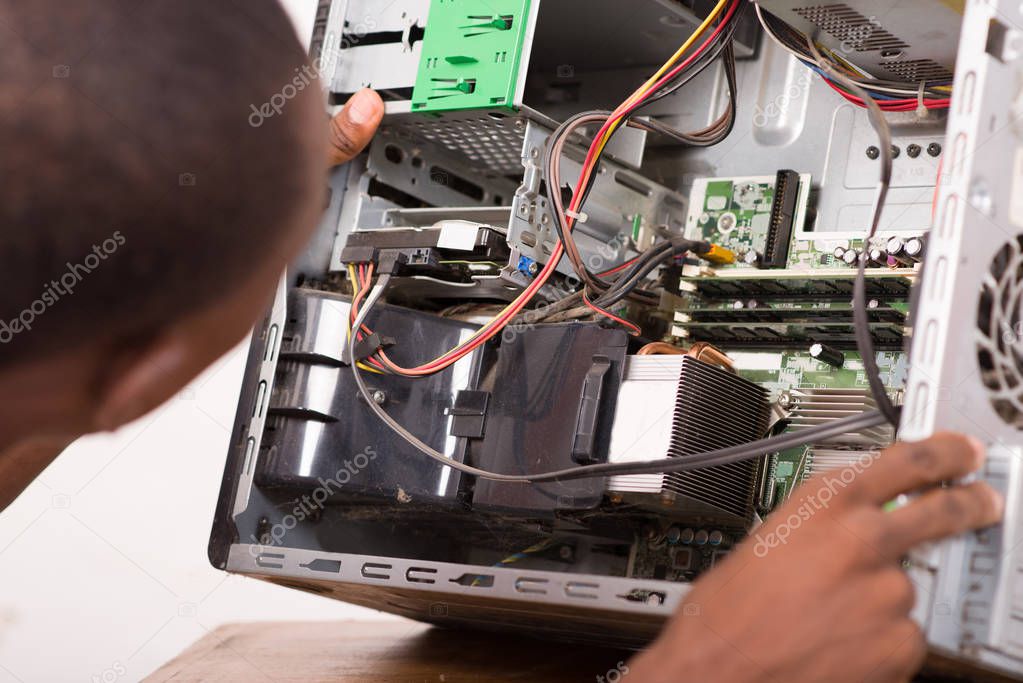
(823, 460)
(716, 409)
(812, 407)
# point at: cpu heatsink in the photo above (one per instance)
(677, 406)
(814, 407)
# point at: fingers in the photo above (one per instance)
(908, 467)
(896, 590)
(354, 126)
(939, 514)
(906, 652)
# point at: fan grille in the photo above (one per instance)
(1000, 323)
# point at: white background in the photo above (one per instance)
(103, 563)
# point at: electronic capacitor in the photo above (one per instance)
(827, 354)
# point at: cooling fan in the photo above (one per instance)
(1000, 324)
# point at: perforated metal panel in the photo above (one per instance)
(854, 30)
(906, 40)
(491, 141)
(918, 70)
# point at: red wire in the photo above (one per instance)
(635, 331)
(363, 290)
(549, 269)
(364, 275)
(619, 268)
(541, 279)
(892, 105)
(660, 84)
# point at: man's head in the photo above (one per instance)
(145, 214)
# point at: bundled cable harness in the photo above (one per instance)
(601, 291)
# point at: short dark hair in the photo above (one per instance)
(133, 170)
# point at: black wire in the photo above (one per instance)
(861, 317)
(724, 41)
(795, 41)
(631, 278)
(723, 45)
(723, 456)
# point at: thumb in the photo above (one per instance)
(353, 127)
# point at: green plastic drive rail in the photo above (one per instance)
(472, 52)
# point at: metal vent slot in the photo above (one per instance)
(855, 31)
(916, 70)
(1000, 327)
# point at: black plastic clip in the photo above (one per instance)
(584, 444)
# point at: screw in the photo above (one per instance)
(896, 151)
(379, 397)
(913, 151)
(263, 529)
(873, 152)
(534, 268)
(934, 149)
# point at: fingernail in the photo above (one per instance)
(979, 450)
(361, 108)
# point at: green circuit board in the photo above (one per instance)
(736, 212)
(780, 372)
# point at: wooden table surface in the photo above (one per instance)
(392, 652)
(375, 652)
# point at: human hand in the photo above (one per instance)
(353, 127)
(818, 593)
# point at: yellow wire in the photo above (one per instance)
(700, 30)
(348, 326)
